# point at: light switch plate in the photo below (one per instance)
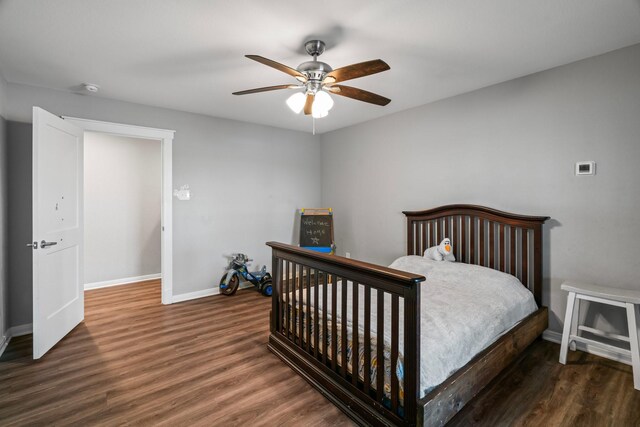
(183, 193)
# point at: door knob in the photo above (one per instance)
(45, 244)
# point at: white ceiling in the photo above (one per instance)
(189, 55)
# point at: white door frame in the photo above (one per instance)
(166, 216)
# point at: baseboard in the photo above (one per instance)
(124, 281)
(18, 331)
(15, 331)
(204, 293)
(556, 337)
(194, 295)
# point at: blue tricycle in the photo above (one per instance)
(238, 268)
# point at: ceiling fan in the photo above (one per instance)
(316, 78)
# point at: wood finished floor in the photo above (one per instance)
(539, 391)
(134, 361)
(205, 362)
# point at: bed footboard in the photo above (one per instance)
(335, 345)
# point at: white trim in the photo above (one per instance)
(205, 293)
(194, 295)
(15, 331)
(166, 220)
(121, 129)
(556, 337)
(166, 136)
(20, 330)
(118, 282)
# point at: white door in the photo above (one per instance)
(58, 290)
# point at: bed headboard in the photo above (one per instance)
(503, 241)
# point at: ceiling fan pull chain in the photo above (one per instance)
(313, 120)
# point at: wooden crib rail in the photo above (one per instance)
(374, 270)
(300, 276)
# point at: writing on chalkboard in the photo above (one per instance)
(316, 230)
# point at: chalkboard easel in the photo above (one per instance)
(316, 230)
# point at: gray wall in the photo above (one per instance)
(246, 182)
(20, 271)
(511, 146)
(3, 97)
(122, 201)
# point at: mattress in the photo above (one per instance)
(464, 309)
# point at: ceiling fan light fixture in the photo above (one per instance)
(322, 104)
(296, 102)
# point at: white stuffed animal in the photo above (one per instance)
(442, 252)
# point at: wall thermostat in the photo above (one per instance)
(585, 168)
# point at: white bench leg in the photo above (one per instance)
(632, 314)
(566, 331)
(575, 320)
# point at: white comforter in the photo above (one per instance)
(464, 308)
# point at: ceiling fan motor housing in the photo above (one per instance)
(314, 70)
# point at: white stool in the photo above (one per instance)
(625, 298)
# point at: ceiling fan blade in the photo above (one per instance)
(356, 70)
(266, 89)
(309, 104)
(359, 94)
(278, 66)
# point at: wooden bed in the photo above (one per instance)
(506, 242)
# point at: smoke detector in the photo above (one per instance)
(90, 87)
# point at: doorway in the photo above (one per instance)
(122, 193)
(101, 132)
